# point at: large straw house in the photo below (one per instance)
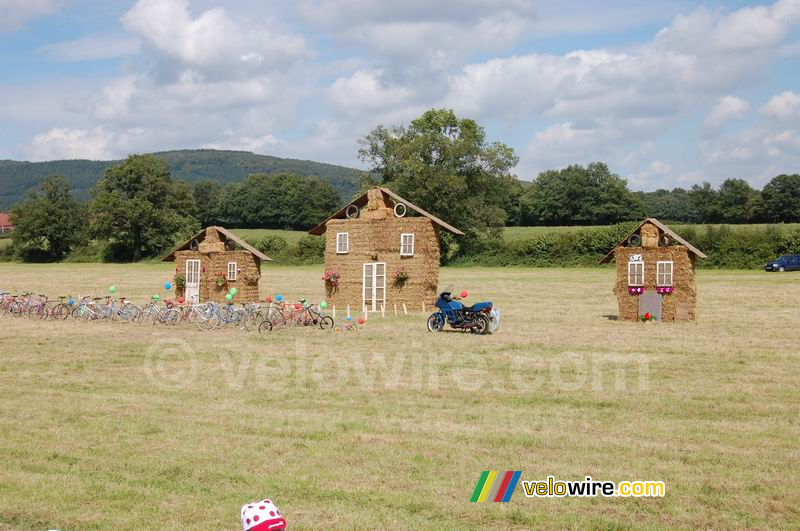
(214, 261)
(655, 274)
(382, 251)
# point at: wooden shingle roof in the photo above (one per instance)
(666, 230)
(361, 201)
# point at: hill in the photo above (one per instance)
(17, 178)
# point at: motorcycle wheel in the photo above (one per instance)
(435, 323)
(483, 324)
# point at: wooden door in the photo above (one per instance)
(192, 294)
(374, 286)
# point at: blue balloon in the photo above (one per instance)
(279, 297)
(349, 318)
(167, 285)
(71, 301)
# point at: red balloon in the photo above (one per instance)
(267, 299)
(298, 306)
(361, 320)
(464, 294)
(181, 300)
(647, 316)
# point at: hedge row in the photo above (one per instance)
(742, 248)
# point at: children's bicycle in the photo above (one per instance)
(348, 326)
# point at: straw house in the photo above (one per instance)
(214, 261)
(655, 274)
(381, 250)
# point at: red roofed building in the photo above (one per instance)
(5, 223)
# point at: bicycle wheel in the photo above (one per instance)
(130, 312)
(326, 322)
(81, 313)
(252, 321)
(265, 326)
(171, 317)
(61, 311)
(207, 322)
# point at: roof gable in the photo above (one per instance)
(663, 228)
(222, 230)
(362, 200)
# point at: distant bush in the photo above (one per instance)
(307, 250)
(742, 248)
(272, 245)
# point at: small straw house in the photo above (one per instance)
(655, 274)
(214, 261)
(381, 251)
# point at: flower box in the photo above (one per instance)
(635, 290)
(664, 289)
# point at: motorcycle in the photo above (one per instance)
(477, 318)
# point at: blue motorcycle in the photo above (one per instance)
(475, 318)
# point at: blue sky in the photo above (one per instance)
(669, 93)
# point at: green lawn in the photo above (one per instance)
(254, 235)
(112, 426)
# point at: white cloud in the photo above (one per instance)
(211, 40)
(94, 144)
(784, 106)
(727, 109)
(365, 92)
(92, 47)
(15, 13)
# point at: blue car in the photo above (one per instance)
(789, 262)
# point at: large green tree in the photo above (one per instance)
(283, 201)
(444, 164)
(49, 223)
(207, 195)
(704, 203)
(780, 199)
(736, 201)
(139, 210)
(578, 195)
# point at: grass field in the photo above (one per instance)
(106, 426)
(255, 235)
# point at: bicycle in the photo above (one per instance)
(152, 313)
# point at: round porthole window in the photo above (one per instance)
(400, 210)
(351, 212)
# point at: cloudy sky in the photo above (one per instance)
(669, 93)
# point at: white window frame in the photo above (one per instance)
(665, 274)
(342, 249)
(632, 273)
(232, 271)
(406, 249)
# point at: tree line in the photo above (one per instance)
(440, 162)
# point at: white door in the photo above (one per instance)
(192, 294)
(374, 290)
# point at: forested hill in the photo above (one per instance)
(17, 178)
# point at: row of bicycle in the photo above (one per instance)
(205, 316)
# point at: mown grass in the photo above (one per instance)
(254, 235)
(302, 416)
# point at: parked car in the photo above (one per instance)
(789, 262)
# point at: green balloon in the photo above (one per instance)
(229, 297)
(156, 298)
(112, 289)
(234, 291)
(323, 305)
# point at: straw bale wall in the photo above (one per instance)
(375, 237)
(214, 262)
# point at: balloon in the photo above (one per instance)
(267, 299)
(71, 301)
(156, 298)
(647, 316)
(323, 305)
(297, 306)
(349, 318)
(112, 289)
(361, 320)
(279, 297)
(167, 285)
(229, 297)
(181, 300)
(234, 291)
(464, 294)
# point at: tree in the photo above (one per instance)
(49, 223)
(139, 210)
(736, 200)
(207, 196)
(578, 195)
(666, 205)
(780, 199)
(445, 165)
(704, 203)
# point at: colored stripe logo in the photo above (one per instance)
(496, 486)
